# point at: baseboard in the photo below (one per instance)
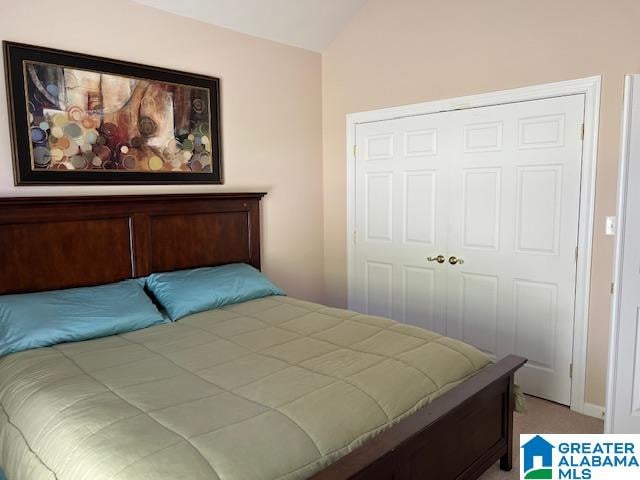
(592, 410)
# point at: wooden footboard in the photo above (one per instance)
(458, 436)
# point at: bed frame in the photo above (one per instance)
(60, 242)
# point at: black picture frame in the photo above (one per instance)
(25, 171)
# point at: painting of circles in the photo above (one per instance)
(97, 121)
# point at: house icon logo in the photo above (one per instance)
(537, 459)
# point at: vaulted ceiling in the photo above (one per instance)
(309, 24)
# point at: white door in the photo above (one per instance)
(401, 179)
(623, 399)
(496, 187)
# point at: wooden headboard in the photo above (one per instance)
(48, 243)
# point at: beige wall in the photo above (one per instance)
(408, 51)
(271, 113)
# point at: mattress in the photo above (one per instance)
(275, 388)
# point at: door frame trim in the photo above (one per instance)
(626, 133)
(590, 87)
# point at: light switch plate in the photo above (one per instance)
(611, 226)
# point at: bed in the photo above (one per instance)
(271, 388)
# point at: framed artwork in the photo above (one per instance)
(80, 119)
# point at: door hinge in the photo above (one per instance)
(354, 149)
(571, 370)
(354, 236)
(576, 254)
(582, 132)
(612, 288)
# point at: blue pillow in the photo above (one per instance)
(41, 319)
(142, 281)
(185, 292)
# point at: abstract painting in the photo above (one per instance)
(83, 119)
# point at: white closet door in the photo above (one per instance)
(513, 219)
(497, 187)
(402, 180)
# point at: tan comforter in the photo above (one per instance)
(275, 388)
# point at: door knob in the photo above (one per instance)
(439, 259)
(455, 260)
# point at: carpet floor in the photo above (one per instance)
(543, 417)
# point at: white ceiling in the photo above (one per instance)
(310, 24)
